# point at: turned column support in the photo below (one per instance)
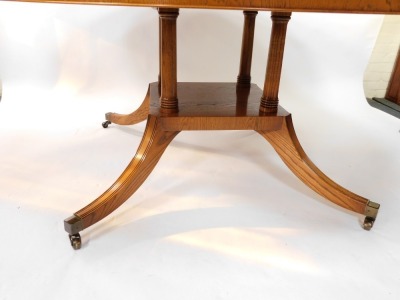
(269, 100)
(159, 54)
(168, 59)
(244, 77)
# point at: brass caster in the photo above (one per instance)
(105, 124)
(368, 223)
(371, 212)
(76, 241)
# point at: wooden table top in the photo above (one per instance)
(339, 6)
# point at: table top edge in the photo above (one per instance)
(344, 6)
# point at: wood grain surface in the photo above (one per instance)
(349, 6)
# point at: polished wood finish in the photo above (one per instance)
(217, 106)
(340, 6)
(154, 142)
(171, 107)
(393, 89)
(269, 100)
(203, 106)
(168, 97)
(244, 77)
(288, 147)
(137, 116)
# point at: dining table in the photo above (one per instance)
(170, 107)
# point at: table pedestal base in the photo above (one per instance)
(210, 106)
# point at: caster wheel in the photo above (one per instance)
(105, 124)
(368, 223)
(76, 241)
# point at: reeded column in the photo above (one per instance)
(168, 60)
(269, 100)
(159, 54)
(244, 77)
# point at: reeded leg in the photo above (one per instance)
(289, 149)
(137, 116)
(168, 60)
(153, 145)
(244, 77)
(269, 100)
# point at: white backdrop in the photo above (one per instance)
(221, 217)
